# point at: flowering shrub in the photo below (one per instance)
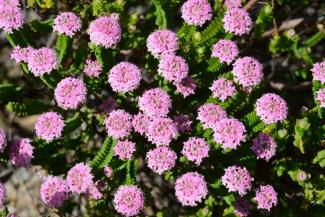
(152, 108)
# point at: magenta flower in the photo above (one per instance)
(79, 178)
(225, 50)
(186, 86)
(318, 71)
(195, 149)
(161, 159)
(321, 97)
(271, 108)
(2, 194)
(70, 93)
(140, 123)
(118, 124)
(49, 126)
(242, 207)
(172, 67)
(54, 191)
(95, 191)
(229, 132)
(41, 61)
(183, 123)
(209, 114)
(12, 3)
(108, 105)
(302, 176)
(21, 152)
(223, 89)
(21, 54)
(264, 146)
(11, 18)
(124, 77)
(237, 179)
(162, 42)
(92, 68)
(155, 102)
(105, 31)
(128, 200)
(196, 12)
(3, 140)
(266, 197)
(108, 171)
(191, 188)
(229, 4)
(161, 131)
(248, 72)
(124, 149)
(67, 23)
(237, 21)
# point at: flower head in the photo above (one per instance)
(161, 131)
(248, 72)
(79, 178)
(67, 23)
(196, 12)
(3, 140)
(108, 171)
(161, 159)
(54, 191)
(242, 207)
(92, 68)
(195, 149)
(21, 152)
(321, 97)
(172, 67)
(11, 18)
(237, 21)
(49, 126)
(237, 179)
(264, 146)
(128, 200)
(12, 3)
(124, 149)
(232, 4)
(95, 190)
(124, 77)
(222, 89)
(186, 86)
(140, 123)
(41, 61)
(118, 124)
(21, 54)
(271, 108)
(225, 50)
(209, 114)
(155, 102)
(105, 31)
(162, 42)
(191, 189)
(2, 194)
(302, 176)
(183, 123)
(229, 132)
(70, 93)
(318, 71)
(266, 197)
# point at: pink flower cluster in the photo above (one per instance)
(321, 97)
(186, 86)
(173, 68)
(70, 93)
(232, 4)
(264, 146)
(11, 16)
(191, 188)
(3, 140)
(2, 194)
(118, 124)
(209, 114)
(21, 54)
(237, 179)
(225, 50)
(41, 61)
(67, 23)
(271, 108)
(266, 197)
(155, 102)
(242, 207)
(124, 149)
(162, 42)
(79, 178)
(161, 131)
(222, 89)
(161, 159)
(183, 123)
(140, 123)
(92, 68)
(49, 126)
(237, 21)
(54, 191)
(21, 152)
(128, 200)
(196, 12)
(195, 149)
(318, 71)
(105, 31)
(124, 77)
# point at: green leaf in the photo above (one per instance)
(301, 131)
(10, 92)
(62, 46)
(211, 30)
(161, 20)
(104, 155)
(72, 123)
(27, 108)
(320, 158)
(41, 26)
(263, 20)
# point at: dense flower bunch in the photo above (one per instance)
(122, 105)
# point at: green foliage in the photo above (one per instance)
(10, 92)
(161, 19)
(263, 20)
(302, 130)
(30, 107)
(104, 155)
(63, 45)
(320, 158)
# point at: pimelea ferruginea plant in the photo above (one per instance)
(158, 109)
